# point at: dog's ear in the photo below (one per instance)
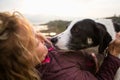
(104, 38)
(104, 43)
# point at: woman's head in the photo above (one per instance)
(17, 48)
(114, 46)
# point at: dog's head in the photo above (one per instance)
(82, 34)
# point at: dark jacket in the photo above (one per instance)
(77, 65)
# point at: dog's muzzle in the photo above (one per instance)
(54, 40)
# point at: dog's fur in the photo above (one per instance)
(86, 33)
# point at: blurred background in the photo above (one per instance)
(53, 16)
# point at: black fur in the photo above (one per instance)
(88, 28)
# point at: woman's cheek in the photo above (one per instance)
(42, 51)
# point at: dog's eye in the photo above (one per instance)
(75, 29)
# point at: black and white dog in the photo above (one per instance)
(86, 33)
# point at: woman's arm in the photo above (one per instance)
(108, 68)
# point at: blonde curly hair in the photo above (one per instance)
(17, 43)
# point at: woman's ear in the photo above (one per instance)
(118, 35)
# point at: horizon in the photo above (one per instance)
(42, 19)
(66, 9)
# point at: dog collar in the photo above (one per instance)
(105, 53)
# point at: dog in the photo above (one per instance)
(87, 33)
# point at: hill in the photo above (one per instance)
(60, 25)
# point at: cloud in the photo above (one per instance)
(7, 5)
(73, 8)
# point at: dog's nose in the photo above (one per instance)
(54, 40)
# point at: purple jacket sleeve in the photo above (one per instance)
(73, 67)
(108, 68)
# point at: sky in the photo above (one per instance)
(64, 8)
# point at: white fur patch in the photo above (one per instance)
(63, 38)
(89, 41)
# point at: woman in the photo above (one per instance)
(20, 48)
(114, 48)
